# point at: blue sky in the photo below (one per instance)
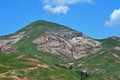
(95, 18)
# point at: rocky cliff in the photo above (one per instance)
(68, 45)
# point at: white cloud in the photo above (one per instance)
(61, 6)
(114, 18)
(57, 9)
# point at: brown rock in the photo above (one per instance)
(25, 78)
(6, 44)
(68, 45)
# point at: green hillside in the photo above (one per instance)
(33, 30)
(104, 65)
(28, 65)
(23, 59)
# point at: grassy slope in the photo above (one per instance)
(11, 63)
(109, 42)
(34, 30)
(103, 65)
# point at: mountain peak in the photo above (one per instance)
(43, 25)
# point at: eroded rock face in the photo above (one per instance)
(117, 48)
(6, 44)
(68, 45)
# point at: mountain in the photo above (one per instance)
(49, 51)
(49, 37)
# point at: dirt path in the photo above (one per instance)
(21, 56)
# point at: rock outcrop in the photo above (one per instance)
(5, 44)
(68, 45)
(117, 48)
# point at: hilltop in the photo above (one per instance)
(49, 37)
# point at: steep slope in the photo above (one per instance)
(49, 37)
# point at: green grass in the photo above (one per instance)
(9, 62)
(4, 69)
(55, 74)
(109, 43)
(99, 66)
(6, 79)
